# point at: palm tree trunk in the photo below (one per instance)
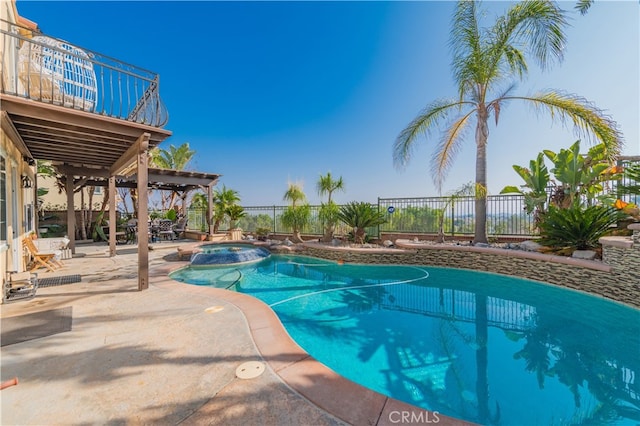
(482, 134)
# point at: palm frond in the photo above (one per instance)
(465, 43)
(587, 119)
(494, 106)
(422, 124)
(539, 24)
(583, 6)
(448, 148)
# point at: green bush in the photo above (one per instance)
(172, 215)
(360, 216)
(576, 228)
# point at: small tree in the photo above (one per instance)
(296, 216)
(360, 216)
(329, 211)
(234, 213)
(223, 199)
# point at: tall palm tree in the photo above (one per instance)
(485, 61)
(329, 211)
(175, 158)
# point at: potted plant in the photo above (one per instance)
(234, 213)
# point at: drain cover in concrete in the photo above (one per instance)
(250, 370)
(214, 309)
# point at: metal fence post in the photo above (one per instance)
(379, 235)
(453, 230)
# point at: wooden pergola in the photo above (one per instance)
(90, 148)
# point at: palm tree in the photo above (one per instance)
(583, 6)
(222, 200)
(175, 158)
(360, 216)
(484, 62)
(329, 211)
(327, 185)
(296, 216)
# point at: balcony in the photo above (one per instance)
(74, 106)
(53, 71)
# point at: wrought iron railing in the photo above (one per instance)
(424, 215)
(54, 71)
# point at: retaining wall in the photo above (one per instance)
(619, 282)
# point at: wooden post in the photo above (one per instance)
(71, 214)
(112, 216)
(143, 212)
(210, 209)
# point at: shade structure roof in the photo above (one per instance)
(74, 137)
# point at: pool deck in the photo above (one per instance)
(169, 355)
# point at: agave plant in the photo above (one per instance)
(360, 216)
(576, 228)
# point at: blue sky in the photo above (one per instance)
(274, 92)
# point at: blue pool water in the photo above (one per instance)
(481, 347)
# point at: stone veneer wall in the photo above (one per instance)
(593, 277)
(624, 256)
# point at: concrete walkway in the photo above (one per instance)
(151, 357)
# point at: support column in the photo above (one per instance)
(112, 216)
(143, 212)
(138, 153)
(71, 214)
(210, 210)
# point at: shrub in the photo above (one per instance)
(576, 228)
(172, 215)
(360, 216)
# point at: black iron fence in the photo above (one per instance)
(423, 215)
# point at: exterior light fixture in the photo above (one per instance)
(26, 181)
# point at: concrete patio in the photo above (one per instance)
(151, 357)
(168, 355)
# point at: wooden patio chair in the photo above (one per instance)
(41, 259)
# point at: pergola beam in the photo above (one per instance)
(130, 155)
(12, 132)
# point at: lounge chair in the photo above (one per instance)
(41, 259)
(19, 285)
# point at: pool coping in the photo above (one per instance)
(344, 399)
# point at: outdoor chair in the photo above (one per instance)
(19, 285)
(165, 230)
(48, 260)
(180, 227)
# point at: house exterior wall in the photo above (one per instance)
(17, 203)
(55, 200)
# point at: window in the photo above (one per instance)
(3, 199)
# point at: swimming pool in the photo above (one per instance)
(476, 346)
